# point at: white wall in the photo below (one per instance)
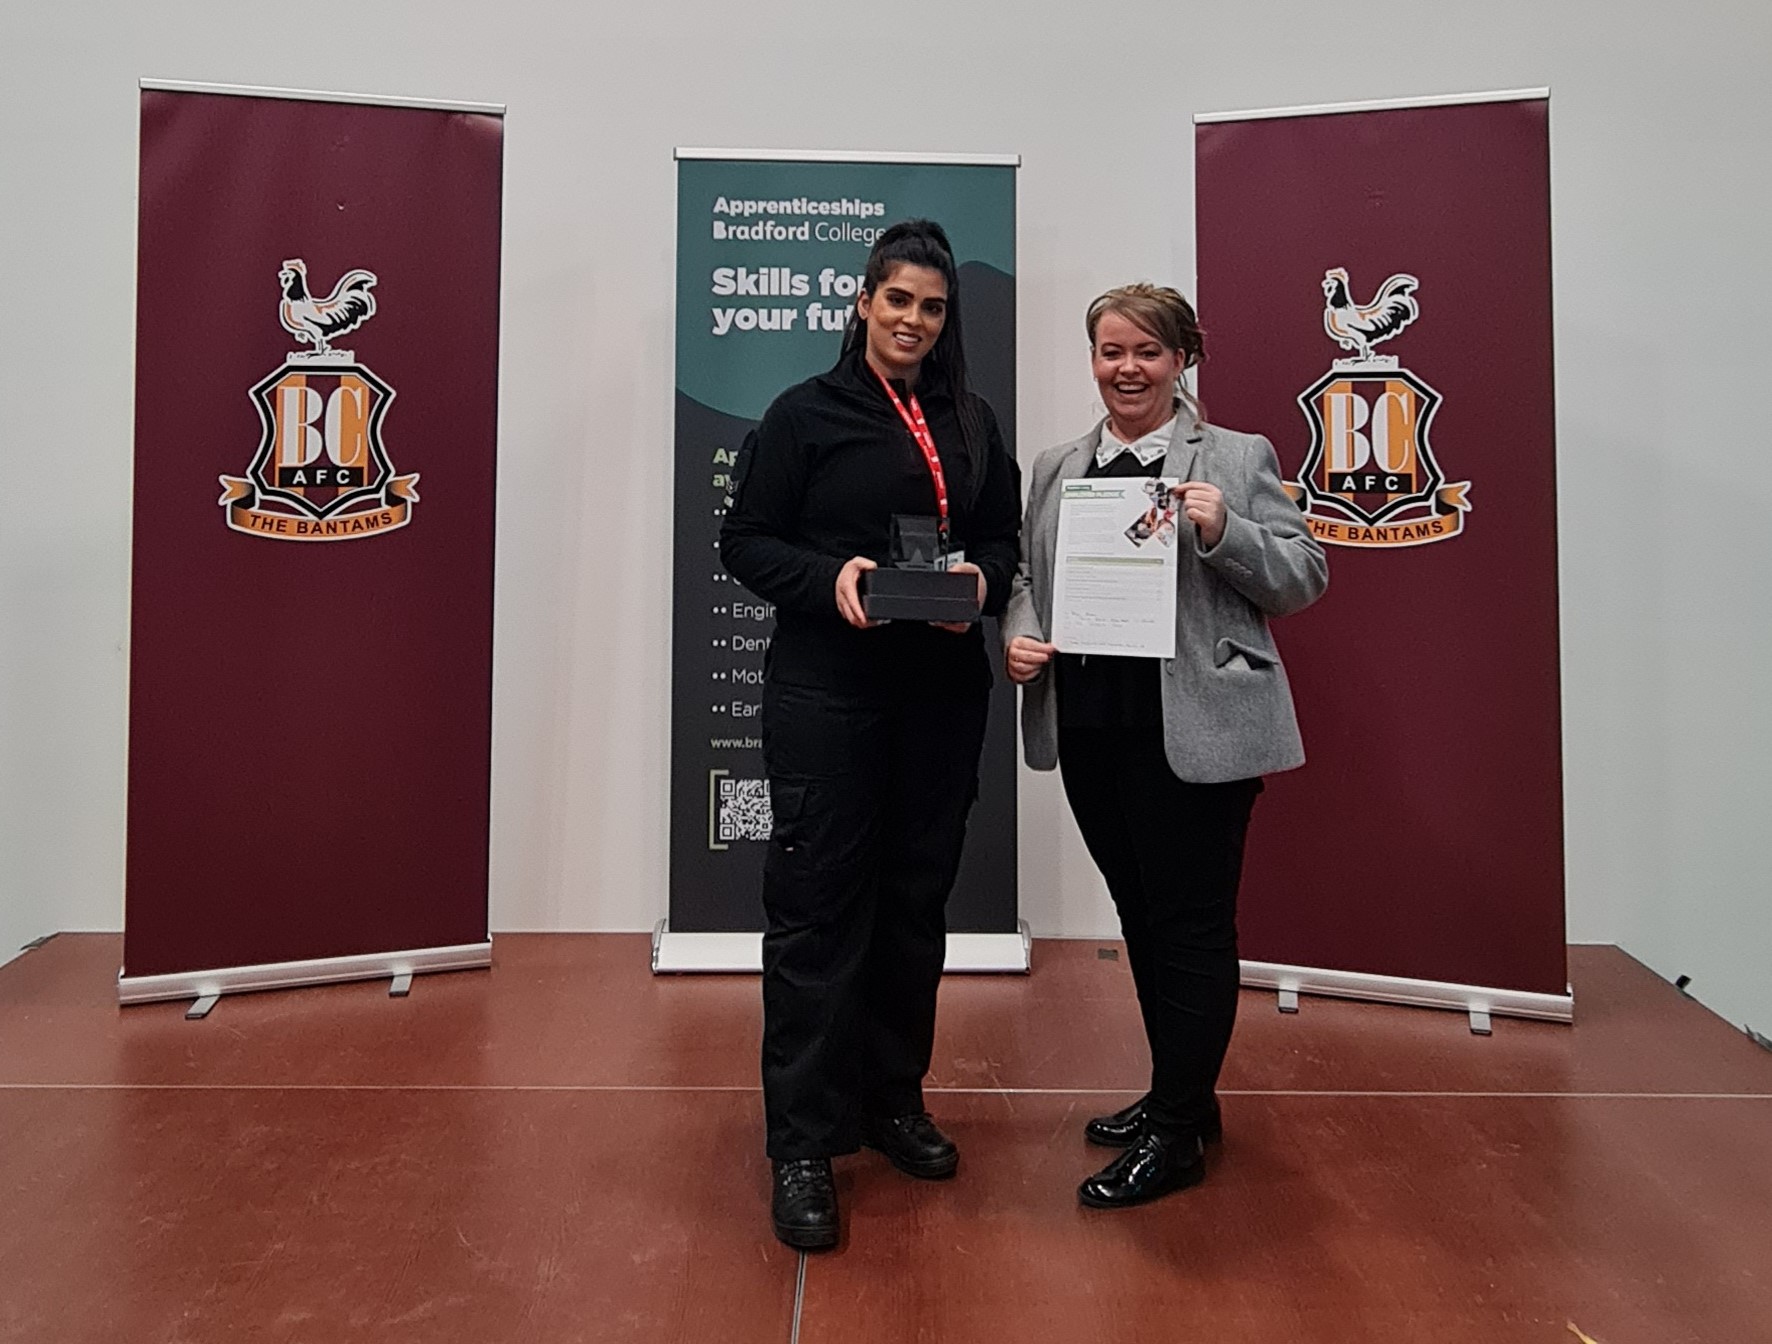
(1660, 127)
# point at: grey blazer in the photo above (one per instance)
(1227, 707)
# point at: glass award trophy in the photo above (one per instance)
(916, 585)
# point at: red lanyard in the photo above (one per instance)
(919, 428)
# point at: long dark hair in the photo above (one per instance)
(923, 242)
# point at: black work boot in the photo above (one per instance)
(914, 1145)
(805, 1204)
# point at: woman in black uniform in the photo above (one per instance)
(871, 733)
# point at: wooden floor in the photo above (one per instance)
(568, 1149)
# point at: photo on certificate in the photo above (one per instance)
(1115, 573)
(1157, 523)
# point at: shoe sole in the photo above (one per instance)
(1194, 1177)
(939, 1171)
(806, 1239)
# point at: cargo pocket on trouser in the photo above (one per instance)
(787, 817)
(817, 855)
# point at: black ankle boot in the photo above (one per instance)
(1150, 1168)
(914, 1145)
(805, 1204)
(1123, 1128)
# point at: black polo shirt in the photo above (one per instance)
(820, 481)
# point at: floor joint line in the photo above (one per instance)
(1404, 1094)
(799, 1299)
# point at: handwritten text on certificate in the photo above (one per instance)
(1114, 581)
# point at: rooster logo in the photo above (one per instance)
(1360, 326)
(319, 321)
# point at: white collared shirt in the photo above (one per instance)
(1149, 450)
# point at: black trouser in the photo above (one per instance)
(870, 794)
(1172, 854)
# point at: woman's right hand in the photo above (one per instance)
(848, 599)
(1026, 658)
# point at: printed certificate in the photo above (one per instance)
(1115, 575)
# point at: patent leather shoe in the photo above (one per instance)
(805, 1204)
(1123, 1128)
(1152, 1167)
(914, 1145)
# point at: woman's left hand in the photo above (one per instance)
(1204, 506)
(961, 627)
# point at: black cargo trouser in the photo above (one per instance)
(870, 794)
(1172, 855)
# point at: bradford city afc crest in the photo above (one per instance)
(1370, 478)
(320, 472)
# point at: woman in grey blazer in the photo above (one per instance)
(1162, 759)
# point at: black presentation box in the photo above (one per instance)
(918, 595)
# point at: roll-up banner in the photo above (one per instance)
(770, 251)
(316, 400)
(1375, 280)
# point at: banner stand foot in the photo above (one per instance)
(200, 1009)
(400, 986)
(395, 966)
(1478, 1002)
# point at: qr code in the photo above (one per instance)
(744, 810)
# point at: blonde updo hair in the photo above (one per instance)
(1164, 314)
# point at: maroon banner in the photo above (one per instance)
(311, 631)
(1376, 289)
